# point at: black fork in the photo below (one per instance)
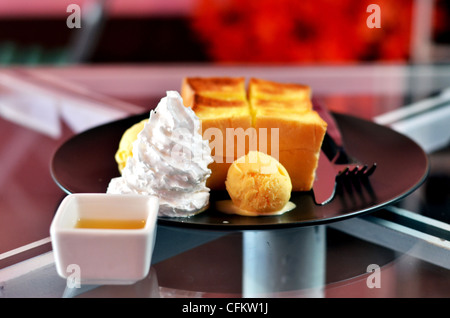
(350, 173)
(352, 176)
(355, 170)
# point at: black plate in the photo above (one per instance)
(85, 164)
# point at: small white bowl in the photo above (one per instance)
(104, 255)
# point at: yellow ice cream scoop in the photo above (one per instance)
(258, 183)
(125, 149)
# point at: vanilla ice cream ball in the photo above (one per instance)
(258, 183)
(125, 149)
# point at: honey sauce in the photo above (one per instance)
(227, 206)
(109, 224)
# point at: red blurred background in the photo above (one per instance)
(231, 31)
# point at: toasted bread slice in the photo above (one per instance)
(218, 123)
(286, 110)
(296, 129)
(297, 143)
(291, 105)
(220, 88)
(281, 114)
(274, 91)
(302, 164)
(221, 105)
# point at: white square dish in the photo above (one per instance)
(101, 238)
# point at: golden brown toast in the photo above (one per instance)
(287, 108)
(271, 90)
(293, 132)
(220, 88)
(221, 104)
(297, 144)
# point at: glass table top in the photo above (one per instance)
(407, 242)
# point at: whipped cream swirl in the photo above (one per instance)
(170, 160)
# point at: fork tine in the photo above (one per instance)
(344, 182)
(353, 172)
(371, 170)
(363, 169)
(343, 172)
(354, 182)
